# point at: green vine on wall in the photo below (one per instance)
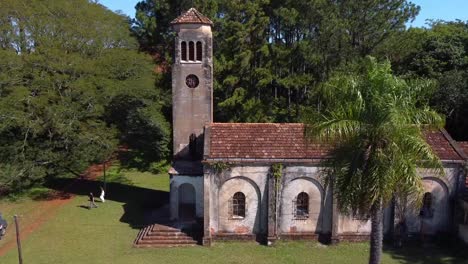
(218, 167)
(277, 170)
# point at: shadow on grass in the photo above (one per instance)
(138, 202)
(441, 252)
(132, 159)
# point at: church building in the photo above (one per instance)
(225, 175)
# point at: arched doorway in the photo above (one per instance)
(186, 202)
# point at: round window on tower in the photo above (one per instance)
(192, 81)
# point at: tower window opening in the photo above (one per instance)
(183, 50)
(191, 51)
(199, 51)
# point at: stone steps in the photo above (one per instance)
(158, 235)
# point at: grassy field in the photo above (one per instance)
(105, 235)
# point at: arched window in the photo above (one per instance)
(183, 50)
(426, 209)
(302, 206)
(191, 51)
(238, 205)
(199, 51)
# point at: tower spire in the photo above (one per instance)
(192, 16)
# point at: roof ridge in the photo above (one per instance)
(192, 16)
(453, 144)
(198, 14)
(463, 147)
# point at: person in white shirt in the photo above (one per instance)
(102, 195)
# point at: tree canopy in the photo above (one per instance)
(270, 56)
(376, 122)
(66, 68)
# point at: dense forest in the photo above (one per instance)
(271, 56)
(73, 86)
(77, 80)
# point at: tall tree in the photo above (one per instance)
(63, 64)
(441, 53)
(271, 55)
(376, 122)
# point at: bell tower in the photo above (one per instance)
(192, 83)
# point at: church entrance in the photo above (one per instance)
(186, 202)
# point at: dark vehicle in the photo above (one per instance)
(3, 226)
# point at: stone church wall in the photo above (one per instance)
(253, 182)
(250, 180)
(176, 183)
(297, 179)
(443, 190)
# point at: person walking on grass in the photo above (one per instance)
(101, 197)
(92, 204)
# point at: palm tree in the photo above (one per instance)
(375, 122)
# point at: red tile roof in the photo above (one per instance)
(441, 145)
(286, 141)
(464, 146)
(192, 16)
(262, 141)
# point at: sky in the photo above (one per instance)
(430, 9)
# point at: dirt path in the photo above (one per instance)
(50, 207)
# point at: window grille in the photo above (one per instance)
(237, 208)
(301, 206)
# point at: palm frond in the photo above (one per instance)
(375, 122)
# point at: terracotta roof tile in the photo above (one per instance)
(441, 145)
(287, 141)
(464, 146)
(262, 141)
(192, 16)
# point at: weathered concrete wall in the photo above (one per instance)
(252, 181)
(443, 189)
(348, 224)
(251, 222)
(297, 179)
(191, 107)
(175, 183)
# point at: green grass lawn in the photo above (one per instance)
(106, 234)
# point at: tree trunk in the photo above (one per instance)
(376, 237)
